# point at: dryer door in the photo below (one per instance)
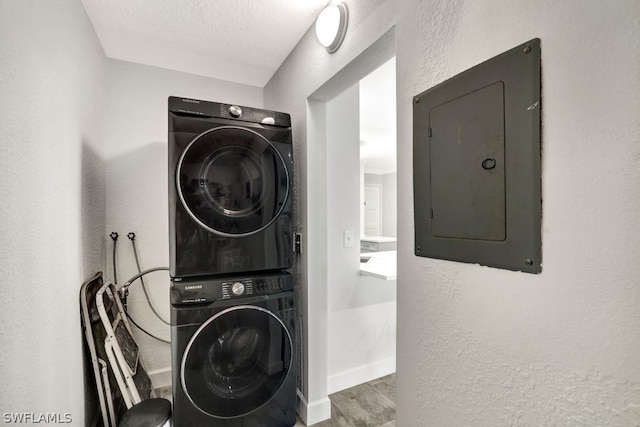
(236, 361)
(232, 181)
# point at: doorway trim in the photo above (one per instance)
(316, 406)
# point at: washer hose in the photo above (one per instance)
(132, 237)
(114, 237)
(124, 292)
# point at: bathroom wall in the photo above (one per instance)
(53, 198)
(135, 138)
(481, 346)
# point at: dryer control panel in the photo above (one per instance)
(199, 291)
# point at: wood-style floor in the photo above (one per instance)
(370, 404)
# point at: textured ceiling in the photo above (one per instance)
(242, 41)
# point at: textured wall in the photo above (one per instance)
(84, 145)
(52, 210)
(480, 346)
(492, 347)
(135, 135)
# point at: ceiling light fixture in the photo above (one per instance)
(331, 26)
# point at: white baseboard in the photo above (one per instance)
(160, 377)
(313, 412)
(360, 375)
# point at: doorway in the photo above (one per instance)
(333, 235)
(361, 307)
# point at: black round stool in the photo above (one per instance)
(148, 413)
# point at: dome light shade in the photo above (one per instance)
(331, 26)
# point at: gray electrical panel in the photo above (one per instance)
(476, 164)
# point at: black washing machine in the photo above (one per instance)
(233, 353)
(230, 179)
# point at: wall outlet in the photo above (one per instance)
(348, 238)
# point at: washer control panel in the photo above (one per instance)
(195, 291)
(249, 287)
(235, 111)
(237, 288)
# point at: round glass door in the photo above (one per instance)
(236, 361)
(232, 181)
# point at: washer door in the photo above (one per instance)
(232, 181)
(236, 361)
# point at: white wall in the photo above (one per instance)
(560, 347)
(52, 215)
(481, 346)
(362, 334)
(361, 310)
(84, 143)
(343, 212)
(343, 203)
(370, 179)
(389, 198)
(390, 204)
(137, 181)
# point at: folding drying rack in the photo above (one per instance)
(113, 351)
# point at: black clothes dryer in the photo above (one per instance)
(233, 352)
(230, 179)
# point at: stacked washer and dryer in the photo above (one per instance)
(232, 304)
